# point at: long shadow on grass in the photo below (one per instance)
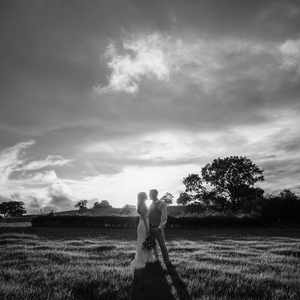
(179, 285)
(151, 283)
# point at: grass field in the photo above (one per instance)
(58, 263)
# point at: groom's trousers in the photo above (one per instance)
(159, 236)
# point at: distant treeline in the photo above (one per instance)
(283, 208)
(131, 222)
(17, 219)
(222, 191)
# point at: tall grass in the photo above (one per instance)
(226, 267)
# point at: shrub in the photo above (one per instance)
(284, 207)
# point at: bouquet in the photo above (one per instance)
(149, 242)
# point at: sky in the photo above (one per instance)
(104, 99)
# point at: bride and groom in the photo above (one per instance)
(150, 231)
(150, 280)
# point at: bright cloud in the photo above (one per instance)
(209, 63)
(122, 188)
(10, 160)
(181, 147)
(290, 51)
(158, 160)
(143, 58)
(61, 196)
(50, 161)
(155, 146)
(272, 146)
(27, 179)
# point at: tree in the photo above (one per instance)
(82, 205)
(48, 210)
(128, 209)
(224, 182)
(193, 184)
(102, 204)
(232, 177)
(282, 207)
(167, 198)
(183, 199)
(288, 195)
(250, 199)
(12, 208)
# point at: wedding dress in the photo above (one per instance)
(142, 256)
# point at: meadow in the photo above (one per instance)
(71, 263)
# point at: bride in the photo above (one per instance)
(142, 255)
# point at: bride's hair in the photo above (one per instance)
(141, 197)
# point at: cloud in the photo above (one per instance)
(143, 57)
(159, 148)
(13, 163)
(281, 173)
(266, 144)
(50, 161)
(290, 51)
(122, 188)
(60, 196)
(43, 178)
(209, 63)
(174, 89)
(34, 206)
(182, 147)
(10, 159)
(26, 178)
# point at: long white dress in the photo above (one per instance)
(142, 256)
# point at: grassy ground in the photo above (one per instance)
(58, 263)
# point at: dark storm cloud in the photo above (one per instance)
(233, 72)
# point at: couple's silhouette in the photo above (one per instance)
(151, 280)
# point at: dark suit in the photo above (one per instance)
(157, 220)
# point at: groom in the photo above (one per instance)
(157, 219)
